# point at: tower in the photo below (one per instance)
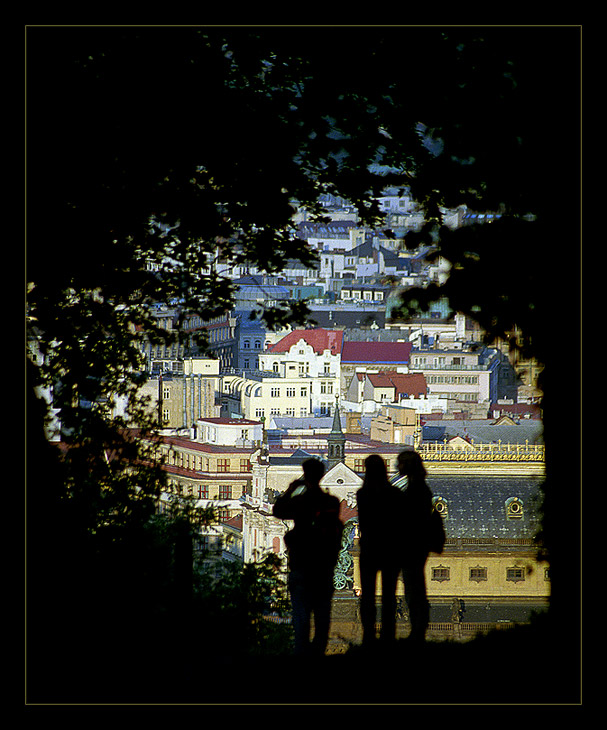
(336, 440)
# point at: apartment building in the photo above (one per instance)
(306, 369)
(469, 377)
(181, 397)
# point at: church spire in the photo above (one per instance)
(336, 418)
(336, 439)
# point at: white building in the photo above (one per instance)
(464, 376)
(229, 431)
(263, 397)
(308, 366)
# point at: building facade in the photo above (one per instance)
(180, 398)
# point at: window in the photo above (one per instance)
(478, 574)
(326, 387)
(246, 363)
(290, 392)
(225, 491)
(247, 344)
(258, 344)
(514, 508)
(275, 392)
(441, 573)
(223, 465)
(303, 392)
(515, 574)
(259, 413)
(290, 412)
(275, 411)
(440, 505)
(303, 412)
(166, 393)
(203, 491)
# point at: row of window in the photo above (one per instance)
(324, 409)
(453, 379)
(261, 413)
(366, 295)
(326, 388)
(441, 360)
(479, 574)
(201, 463)
(203, 491)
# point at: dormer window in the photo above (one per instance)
(514, 508)
(440, 505)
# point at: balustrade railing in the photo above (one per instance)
(497, 451)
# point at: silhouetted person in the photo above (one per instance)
(313, 546)
(379, 504)
(417, 508)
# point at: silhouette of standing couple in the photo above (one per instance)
(394, 525)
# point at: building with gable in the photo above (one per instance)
(312, 356)
(369, 391)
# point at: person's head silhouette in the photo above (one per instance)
(411, 464)
(376, 473)
(313, 470)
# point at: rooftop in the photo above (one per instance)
(319, 339)
(376, 352)
(484, 431)
(476, 506)
(405, 383)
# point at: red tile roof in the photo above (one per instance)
(376, 352)
(410, 383)
(319, 339)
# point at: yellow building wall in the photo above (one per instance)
(535, 584)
